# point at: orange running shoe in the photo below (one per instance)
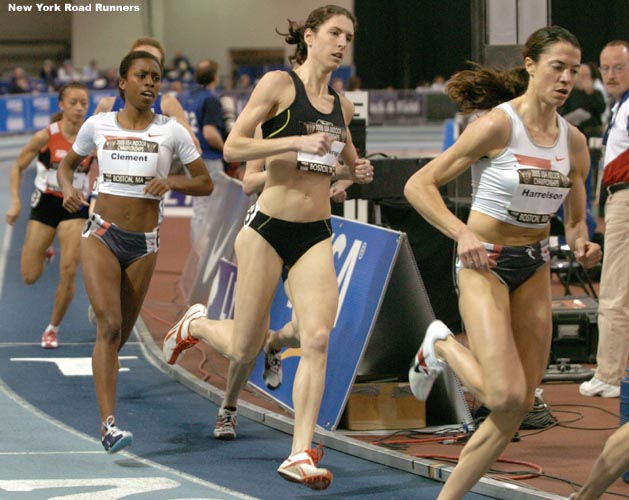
(178, 338)
(302, 468)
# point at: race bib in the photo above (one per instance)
(323, 164)
(130, 160)
(538, 195)
(52, 184)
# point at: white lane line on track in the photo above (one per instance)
(14, 453)
(162, 468)
(4, 252)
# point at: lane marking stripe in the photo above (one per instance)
(162, 468)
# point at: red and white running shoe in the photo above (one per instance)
(225, 426)
(49, 256)
(302, 468)
(49, 340)
(178, 338)
(426, 367)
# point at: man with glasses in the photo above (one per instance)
(613, 341)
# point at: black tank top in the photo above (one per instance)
(302, 118)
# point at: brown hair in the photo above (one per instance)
(206, 72)
(151, 42)
(62, 91)
(617, 43)
(317, 17)
(484, 88)
(538, 42)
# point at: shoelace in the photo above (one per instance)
(227, 418)
(111, 428)
(275, 360)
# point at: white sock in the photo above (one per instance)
(53, 328)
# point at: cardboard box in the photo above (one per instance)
(382, 406)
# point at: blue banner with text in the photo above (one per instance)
(364, 256)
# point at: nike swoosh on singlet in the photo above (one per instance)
(559, 158)
(155, 135)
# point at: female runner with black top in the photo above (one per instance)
(304, 127)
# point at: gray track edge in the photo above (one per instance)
(502, 490)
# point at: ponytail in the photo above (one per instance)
(295, 36)
(484, 88)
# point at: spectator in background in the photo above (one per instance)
(438, 83)
(19, 83)
(67, 73)
(176, 89)
(206, 120)
(111, 78)
(244, 82)
(48, 73)
(338, 85)
(91, 72)
(422, 84)
(354, 83)
(584, 108)
(613, 336)
(182, 67)
(585, 105)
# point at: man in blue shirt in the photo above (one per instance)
(206, 120)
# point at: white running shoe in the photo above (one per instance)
(178, 338)
(225, 426)
(426, 367)
(596, 387)
(115, 439)
(272, 374)
(302, 468)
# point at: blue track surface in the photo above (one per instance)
(49, 445)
